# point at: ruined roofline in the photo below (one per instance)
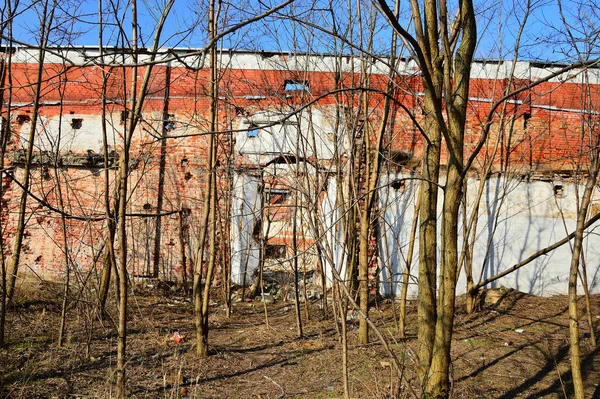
(281, 60)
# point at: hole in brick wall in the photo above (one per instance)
(21, 119)
(295, 85)
(240, 111)
(266, 54)
(8, 50)
(169, 123)
(184, 162)
(559, 191)
(526, 118)
(187, 176)
(274, 251)
(398, 184)
(147, 206)
(46, 173)
(76, 123)
(186, 211)
(71, 112)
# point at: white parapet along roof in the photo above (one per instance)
(264, 60)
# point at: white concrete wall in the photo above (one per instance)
(54, 133)
(197, 58)
(335, 252)
(303, 134)
(246, 213)
(516, 219)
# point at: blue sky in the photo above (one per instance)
(498, 23)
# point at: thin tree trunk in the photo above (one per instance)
(5, 87)
(344, 336)
(134, 115)
(363, 276)
(110, 259)
(182, 255)
(406, 275)
(588, 302)
(373, 167)
(13, 267)
(304, 283)
(295, 268)
(224, 261)
(161, 174)
(202, 334)
(123, 173)
(438, 374)
(438, 382)
(65, 250)
(426, 300)
(226, 222)
(264, 237)
(578, 388)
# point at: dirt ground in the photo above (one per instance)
(516, 348)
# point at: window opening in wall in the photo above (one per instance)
(253, 131)
(21, 119)
(296, 85)
(278, 196)
(76, 123)
(169, 123)
(274, 251)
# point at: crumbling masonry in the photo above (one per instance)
(284, 145)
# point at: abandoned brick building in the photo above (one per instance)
(286, 135)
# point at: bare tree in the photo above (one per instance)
(46, 12)
(6, 30)
(444, 50)
(136, 103)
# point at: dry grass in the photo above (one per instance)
(248, 360)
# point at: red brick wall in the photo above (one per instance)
(542, 139)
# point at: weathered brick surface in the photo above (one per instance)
(541, 134)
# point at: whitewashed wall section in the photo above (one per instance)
(266, 135)
(75, 133)
(516, 219)
(335, 253)
(246, 210)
